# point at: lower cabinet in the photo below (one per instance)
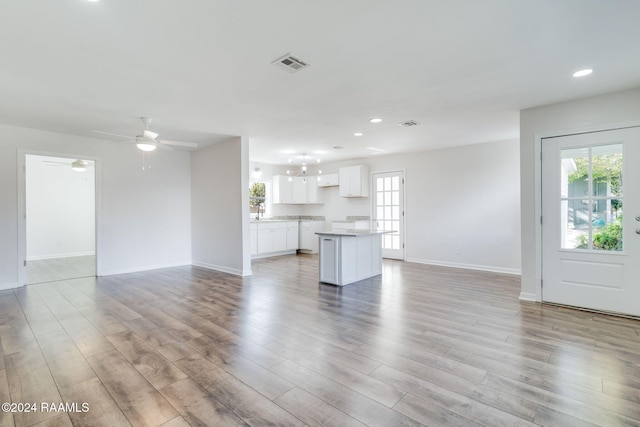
(254, 238)
(346, 259)
(274, 238)
(308, 238)
(292, 235)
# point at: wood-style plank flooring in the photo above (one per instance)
(421, 345)
(55, 269)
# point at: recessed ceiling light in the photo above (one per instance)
(583, 73)
(375, 120)
(358, 134)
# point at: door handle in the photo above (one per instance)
(637, 230)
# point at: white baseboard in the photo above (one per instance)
(492, 269)
(272, 254)
(9, 285)
(526, 296)
(64, 255)
(107, 272)
(222, 268)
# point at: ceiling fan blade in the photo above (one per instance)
(183, 144)
(112, 134)
(164, 147)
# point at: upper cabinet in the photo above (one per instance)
(299, 190)
(354, 181)
(282, 189)
(329, 180)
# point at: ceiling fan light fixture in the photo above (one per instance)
(79, 165)
(146, 145)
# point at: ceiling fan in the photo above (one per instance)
(77, 165)
(148, 140)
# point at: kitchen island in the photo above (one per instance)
(347, 256)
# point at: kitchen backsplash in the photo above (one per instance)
(299, 217)
(358, 218)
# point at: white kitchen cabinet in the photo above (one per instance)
(253, 228)
(265, 244)
(329, 180)
(347, 257)
(312, 190)
(308, 242)
(354, 181)
(274, 238)
(299, 190)
(282, 189)
(305, 189)
(292, 235)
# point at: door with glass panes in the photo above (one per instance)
(591, 220)
(388, 211)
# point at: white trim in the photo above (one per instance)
(404, 204)
(526, 296)
(271, 254)
(221, 268)
(538, 137)
(10, 285)
(492, 269)
(21, 160)
(65, 255)
(144, 268)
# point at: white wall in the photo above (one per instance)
(144, 216)
(464, 198)
(60, 209)
(220, 207)
(595, 113)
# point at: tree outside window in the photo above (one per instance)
(257, 198)
(606, 178)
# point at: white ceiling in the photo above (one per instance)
(202, 68)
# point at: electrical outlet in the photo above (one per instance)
(458, 251)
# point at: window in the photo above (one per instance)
(260, 199)
(591, 198)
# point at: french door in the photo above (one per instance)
(388, 211)
(591, 220)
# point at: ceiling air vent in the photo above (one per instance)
(408, 123)
(291, 63)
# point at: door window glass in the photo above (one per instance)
(591, 199)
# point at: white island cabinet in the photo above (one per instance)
(347, 256)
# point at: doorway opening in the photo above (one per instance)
(60, 218)
(388, 211)
(589, 247)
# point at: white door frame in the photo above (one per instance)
(538, 188)
(404, 203)
(22, 205)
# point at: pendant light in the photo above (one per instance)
(302, 171)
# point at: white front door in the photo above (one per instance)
(591, 249)
(388, 211)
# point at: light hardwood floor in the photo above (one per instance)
(54, 269)
(421, 345)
